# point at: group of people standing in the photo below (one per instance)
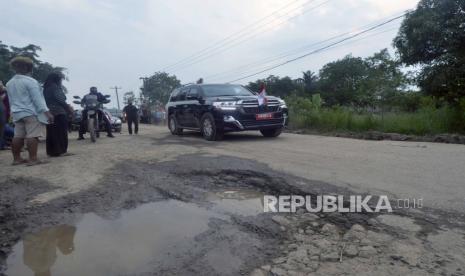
(34, 112)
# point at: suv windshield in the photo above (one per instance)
(225, 90)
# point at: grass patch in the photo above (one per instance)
(425, 121)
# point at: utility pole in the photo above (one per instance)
(117, 97)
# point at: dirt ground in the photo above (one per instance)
(156, 204)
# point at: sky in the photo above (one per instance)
(107, 43)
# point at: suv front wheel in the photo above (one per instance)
(173, 125)
(271, 132)
(209, 129)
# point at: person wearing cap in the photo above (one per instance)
(28, 110)
(132, 116)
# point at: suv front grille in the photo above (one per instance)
(251, 106)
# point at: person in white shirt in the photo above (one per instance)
(28, 110)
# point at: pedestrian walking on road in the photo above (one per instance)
(28, 109)
(132, 116)
(57, 133)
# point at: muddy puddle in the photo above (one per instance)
(238, 202)
(135, 242)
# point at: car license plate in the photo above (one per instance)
(264, 116)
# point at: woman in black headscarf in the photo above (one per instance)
(57, 133)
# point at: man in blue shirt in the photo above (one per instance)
(28, 110)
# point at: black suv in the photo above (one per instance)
(214, 109)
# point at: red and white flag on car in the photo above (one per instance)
(262, 95)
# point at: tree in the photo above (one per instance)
(310, 81)
(41, 69)
(158, 87)
(340, 81)
(433, 38)
(351, 81)
(276, 86)
(384, 79)
(360, 82)
(5, 57)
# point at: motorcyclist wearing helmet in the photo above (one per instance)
(101, 99)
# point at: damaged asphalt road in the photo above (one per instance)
(201, 213)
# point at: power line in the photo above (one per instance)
(255, 33)
(264, 65)
(261, 62)
(288, 53)
(233, 34)
(323, 48)
(244, 37)
(363, 38)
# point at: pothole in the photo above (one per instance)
(189, 217)
(130, 243)
(239, 202)
(97, 246)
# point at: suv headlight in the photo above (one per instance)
(282, 103)
(225, 105)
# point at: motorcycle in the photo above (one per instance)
(94, 113)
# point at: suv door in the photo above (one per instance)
(192, 107)
(181, 106)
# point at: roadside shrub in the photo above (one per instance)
(427, 120)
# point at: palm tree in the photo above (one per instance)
(310, 80)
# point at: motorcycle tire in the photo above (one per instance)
(91, 129)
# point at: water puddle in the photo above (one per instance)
(239, 202)
(95, 246)
(134, 243)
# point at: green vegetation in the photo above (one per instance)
(41, 69)
(158, 87)
(433, 38)
(429, 119)
(375, 94)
